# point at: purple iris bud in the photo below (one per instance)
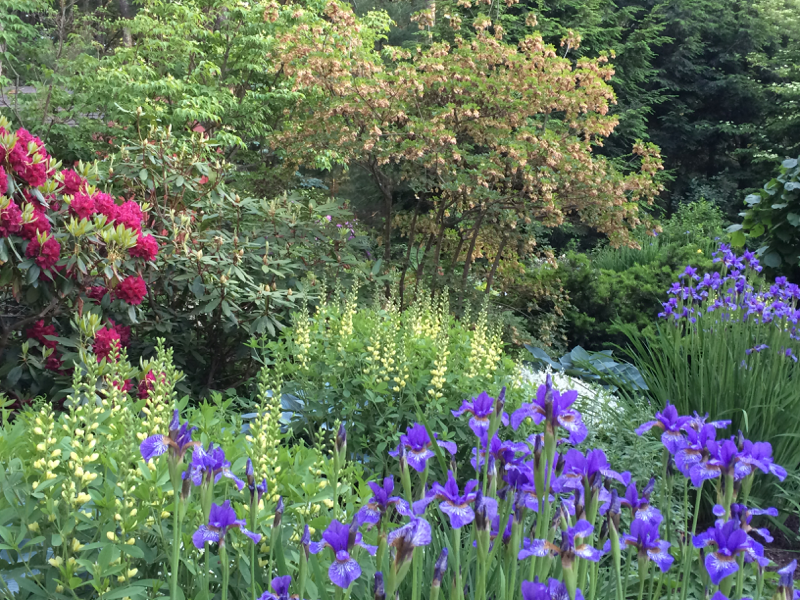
(280, 587)
(553, 590)
(378, 504)
(454, 504)
(439, 568)
(178, 442)
(744, 515)
(758, 455)
(580, 470)
(261, 489)
(378, 589)
(209, 465)
(644, 537)
(305, 539)
(568, 549)
(482, 409)
(279, 508)
(344, 570)
(727, 541)
(552, 406)
(220, 519)
(671, 424)
(786, 589)
(249, 474)
(340, 444)
(417, 445)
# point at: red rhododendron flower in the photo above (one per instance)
(22, 163)
(53, 362)
(45, 255)
(127, 386)
(40, 224)
(105, 340)
(3, 181)
(72, 182)
(123, 331)
(146, 247)
(82, 206)
(131, 290)
(130, 215)
(39, 331)
(96, 292)
(10, 219)
(105, 205)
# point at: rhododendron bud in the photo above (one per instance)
(146, 247)
(45, 255)
(131, 290)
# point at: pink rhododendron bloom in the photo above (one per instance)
(72, 182)
(96, 292)
(105, 205)
(104, 342)
(146, 247)
(10, 219)
(3, 181)
(131, 290)
(45, 255)
(35, 174)
(130, 215)
(82, 206)
(39, 224)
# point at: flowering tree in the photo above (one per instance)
(487, 132)
(68, 251)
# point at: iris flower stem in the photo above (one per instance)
(416, 565)
(644, 571)
(690, 546)
(617, 558)
(459, 595)
(593, 582)
(335, 482)
(739, 578)
(652, 582)
(728, 495)
(759, 584)
(628, 561)
(511, 560)
(223, 559)
(658, 587)
(176, 531)
(591, 516)
(252, 525)
(686, 508)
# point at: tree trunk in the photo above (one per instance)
(496, 262)
(124, 8)
(468, 260)
(387, 228)
(411, 234)
(461, 241)
(439, 241)
(421, 265)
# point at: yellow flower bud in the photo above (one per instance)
(56, 561)
(111, 536)
(131, 541)
(165, 514)
(38, 431)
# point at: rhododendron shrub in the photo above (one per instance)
(68, 250)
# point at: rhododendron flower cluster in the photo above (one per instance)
(131, 290)
(45, 254)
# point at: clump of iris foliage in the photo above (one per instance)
(728, 345)
(112, 500)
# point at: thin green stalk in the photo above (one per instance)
(690, 546)
(739, 578)
(252, 525)
(223, 559)
(658, 588)
(176, 540)
(593, 581)
(644, 571)
(459, 592)
(628, 561)
(416, 573)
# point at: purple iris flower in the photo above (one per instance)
(552, 406)
(210, 465)
(415, 533)
(644, 537)
(502, 451)
(220, 519)
(672, 424)
(552, 590)
(786, 589)
(454, 504)
(481, 408)
(568, 549)
(344, 570)
(727, 541)
(695, 450)
(697, 422)
(640, 505)
(417, 444)
(520, 476)
(580, 470)
(744, 515)
(178, 442)
(759, 455)
(691, 273)
(722, 459)
(280, 585)
(379, 503)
